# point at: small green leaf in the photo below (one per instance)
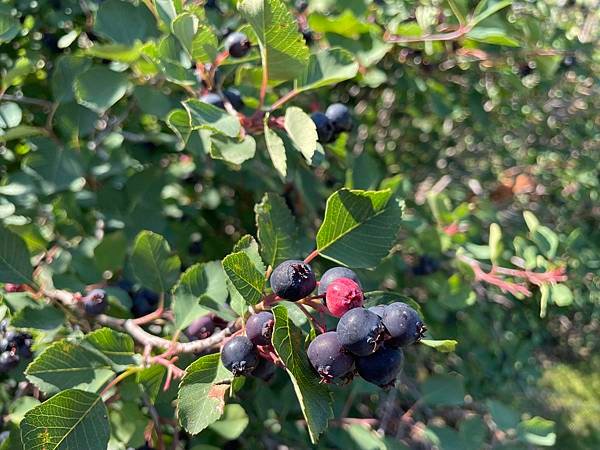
(116, 52)
(184, 27)
(495, 243)
(117, 347)
(276, 150)
(244, 276)
(504, 416)
(492, 35)
(444, 346)
(201, 399)
(99, 88)
(314, 397)
(205, 45)
(72, 419)
(151, 380)
(153, 264)
(302, 131)
(124, 22)
(537, 431)
(443, 390)
(46, 318)
(531, 221)
(9, 27)
(111, 251)
(233, 422)
(360, 227)
(232, 150)
(328, 67)
(561, 295)
(15, 266)
(546, 240)
(205, 116)
(480, 16)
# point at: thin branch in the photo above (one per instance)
(27, 100)
(284, 99)
(453, 35)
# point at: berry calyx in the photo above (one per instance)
(201, 328)
(340, 117)
(95, 302)
(237, 44)
(239, 356)
(325, 130)
(382, 367)
(342, 295)
(333, 274)
(329, 358)
(259, 328)
(293, 280)
(403, 324)
(360, 331)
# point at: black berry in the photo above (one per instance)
(329, 358)
(382, 367)
(324, 127)
(235, 98)
(201, 328)
(239, 356)
(360, 331)
(308, 35)
(265, 370)
(426, 265)
(378, 309)
(340, 117)
(213, 99)
(8, 361)
(403, 324)
(301, 5)
(333, 274)
(259, 328)
(237, 44)
(293, 280)
(95, 302)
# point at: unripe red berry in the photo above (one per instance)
(342, 295)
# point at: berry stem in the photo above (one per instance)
(315, 323)
(118, 379)
(153, 315)
(311, 256)
(284, 99)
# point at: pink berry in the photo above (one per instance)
(343, 295)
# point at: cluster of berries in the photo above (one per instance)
(144, 301)
(336, 119)
(366, 341)
(14, 345)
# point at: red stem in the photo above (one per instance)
(312, 256)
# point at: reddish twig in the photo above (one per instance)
(315, 323)
(311, 256)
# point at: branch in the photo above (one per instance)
(27, 100)
(453, 35)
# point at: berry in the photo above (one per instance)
(201, 328)
(239, 356)
(265, 370)
(329, 358)
(259, 328)
(333, 274)
(342, 295)
(213, 99)
(237, 44)
(95, 302)
(426, 265)
(402, 324)
(11, 287)
(308, 35)
(324, 127)
(293, 280)
(8, 361)
(382, 367)
(378, 309)
(360, 331)
(235, 98)
(301, 5)
(144, 302)
(339, 116)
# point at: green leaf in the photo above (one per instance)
(152, 262)
(205, 116)
(21, 132)
(561, 295)
(117, 347)
(10, 115)
(15, 266)
(276, 150)
(116, 52)
(201, 399)
(346, 24)
(504, 417)
(444, 390)
(493, 9)
(99, 88)
(65, 364)
(205, 45)
(233, 151)
(72, 419)
(314, 397)
(495, 243)
(110, 253)
(9, 27)
(151, 380)
(166, 10)
(244, 276)
(444, 346)
(46, 318)
(546, 240)
(277, 230)
(493, 35)
(200, 289)
(537, 431)
(233, 422)
(531, 221)
(184, 27)
(328, 67)
(20, 69)
(180, 122)
(124, 22)
(360, 227)
(283, 50)
(457, 10)
(302, 131)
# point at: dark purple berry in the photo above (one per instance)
(213, 99)
(360, 331)
(378, 309)
(141, 306)
(8, 361)
(95, 302)
(235, 98)
(201, 328)
(259, 328)
(239, 356)
(340, 117)
(237, 44)
(308, 35)
(325, 130)
(329, 358)
(425, 266)
(403, 324)
(265, 370)
(333, 274)
(301, 5)
(382, 367)
(293, 280)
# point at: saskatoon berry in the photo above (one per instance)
(239, 356)
(426, 265)
(403, 324)
(265, 370)
(8, 361)
(308, 35)
(237, 44)
(11, 287)
(259, 328)
(339, 116)
(141, 305)
(235, 98)
(293, 280)
(342, 295)
(324, 127)
(378, 309)
(329, 358)
(382, 367)
(301, 5)
(360, 331)
(95, 302)
(201, 328)
(213, 99)
(333, 274)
